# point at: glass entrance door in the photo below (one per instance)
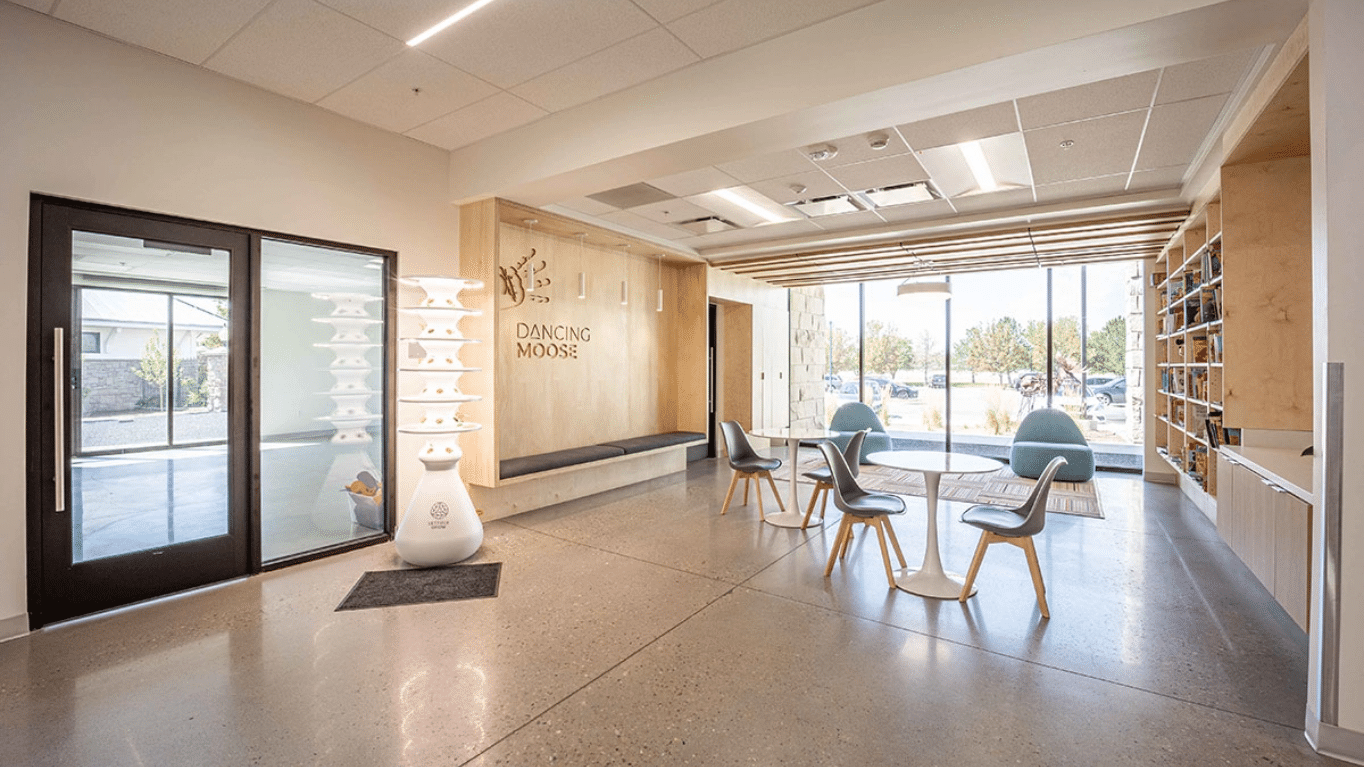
(141, 442)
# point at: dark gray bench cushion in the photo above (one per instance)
(531, 464)
(655, 441)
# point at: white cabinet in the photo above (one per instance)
(1263, 520)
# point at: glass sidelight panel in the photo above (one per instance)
(150, 319)
(322, 376)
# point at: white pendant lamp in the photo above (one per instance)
(940, 290)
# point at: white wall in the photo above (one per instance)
(85, 117)
(1337, 280)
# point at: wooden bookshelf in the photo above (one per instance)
(1189, 347)
(1233, 309)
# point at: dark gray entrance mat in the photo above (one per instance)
(386, 588)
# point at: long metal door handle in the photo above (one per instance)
(59, 414)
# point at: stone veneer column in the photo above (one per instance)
(809, 346)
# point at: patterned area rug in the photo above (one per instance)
(1003, 487)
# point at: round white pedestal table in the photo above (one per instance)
(793, 516)
(930, 580)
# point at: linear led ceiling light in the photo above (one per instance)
(744, 202)
(467, 10)
(975, 160)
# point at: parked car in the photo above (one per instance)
(938, 381)
(1100, 379)
(848, 393)
(897, 389)
(832, 383)
(1111, 393)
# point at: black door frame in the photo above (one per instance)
(127, 578)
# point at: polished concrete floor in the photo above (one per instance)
(640, 627)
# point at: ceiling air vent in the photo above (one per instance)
(826, 206)
(707, 225)
(901, 194)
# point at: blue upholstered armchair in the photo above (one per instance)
(1045, 434)
(852, 417)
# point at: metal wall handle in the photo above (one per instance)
(59, 414)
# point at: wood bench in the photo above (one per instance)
(535, 481)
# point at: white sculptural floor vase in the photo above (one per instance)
(440, 525)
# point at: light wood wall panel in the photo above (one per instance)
(691, 339)
(478, 260)
(1266, 245)
(769, 346)
(619, 380)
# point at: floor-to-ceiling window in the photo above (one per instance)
(998, 363)
(1006, 343)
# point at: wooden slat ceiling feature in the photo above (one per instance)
(1091, 241)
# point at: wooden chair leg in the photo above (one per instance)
(879, 523)
(839, 539)
(775, 494)
(848, 539)
(890, 531)
(1036, 576)
(733, 483)
(975, 565)
(747, 479)
(824, 503)
(810, 510)
(758, 493)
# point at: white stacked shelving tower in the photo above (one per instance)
(440, 525)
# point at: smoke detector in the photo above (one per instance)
(818, 153)
(878, 141)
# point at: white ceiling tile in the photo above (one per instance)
(1202, 78)
(695, 182)
(853, 149)
(844, 221)
(971, 125)
(916, 211)
(1103, 147)
(509, 43)
(41, 6)
(977, 203)
(759, 233)
(734, 24)
(1176, 131)
(403, 19)
(1158, 178)
(1106, 97)
(477, 121)
(627, 63)
(817, 184)
(588, 206)
(875, 174)
(671, 10)
(628, 220)
(385, 97)
(1102, 186)
(671, 211)
(303, 49)
(766, 166)
(186, 29)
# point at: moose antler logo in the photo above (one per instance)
(521, 281)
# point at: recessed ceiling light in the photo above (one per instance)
(826, 152)
(753, 204)
(707, 225)
(459, 15)
(975, 160)
(798, 188)
(901, 194)
(878, 141)
(826, 206)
